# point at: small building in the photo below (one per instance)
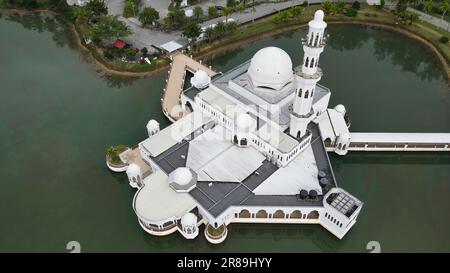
(120, 44)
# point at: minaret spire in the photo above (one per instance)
(307, 75)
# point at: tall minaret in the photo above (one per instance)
(307, 75)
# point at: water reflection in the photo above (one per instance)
(43, 22)
(339, 40)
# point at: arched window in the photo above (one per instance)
(339, 146)
(311, 39)
(312, 63)
(316, 42)
(296, 214)
(261, 214)
(344, 147)
(244, 214)
(307, 62)
(278, 214)
(134, 179)
(317, 62)
(306, 94)
(313, 215)
(300, 93)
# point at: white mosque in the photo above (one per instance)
(251, 150)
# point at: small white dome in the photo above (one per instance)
(270, 68)
(243, 121)
(201, 79)
(189, 219)
(340, 108)
(189, 13)
(152, 125)
(182, 176)
(133, 170)
(318, 22)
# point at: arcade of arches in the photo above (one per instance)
(279, 214)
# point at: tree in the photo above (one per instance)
(328, 7)
(198, 13)
(227, 12)
(412, 17)
(295, 11)
(444, 7)
(178, 2)
(130, 9)
(212, 11)
(231, 3)
(144, 51)
(192, 30)
(428, 6)
(356, 5)
(109, 27)
(281, 17)
(148, 15)
(340, 6)
(97, 7)
(175, 17)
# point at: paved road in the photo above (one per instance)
(432, 19)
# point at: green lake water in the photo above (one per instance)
(58, 115)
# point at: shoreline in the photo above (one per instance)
(218, 50)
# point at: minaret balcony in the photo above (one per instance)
(299, 72)
(307, 115)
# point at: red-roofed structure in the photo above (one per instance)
(120, 44)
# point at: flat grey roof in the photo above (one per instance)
(221, 195)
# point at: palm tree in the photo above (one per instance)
(428, 6)
(227, 11)
(444, 7)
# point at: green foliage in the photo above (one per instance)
(444, 7)
(356, 5)
(212, 11)
(382, 3)
(131, 8)
(97, 7)
(408, 17)
(108, 27)
(148, 15)
(113, 153)
(198, 13)
(340, 6)
(295, 11)
(427, 6)
(443, 39)
(144, 51)
(281, 17)
(231, 3)
(219, 30)
(227, 12)
(328, 7)
(305, 3)
(351, 12)
(192, 30)
(175, 18)
(178, 2)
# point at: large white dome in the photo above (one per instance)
(271, 68)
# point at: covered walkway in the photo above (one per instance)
(175, 82)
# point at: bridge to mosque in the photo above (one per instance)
(414, 142)
(177, 73)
